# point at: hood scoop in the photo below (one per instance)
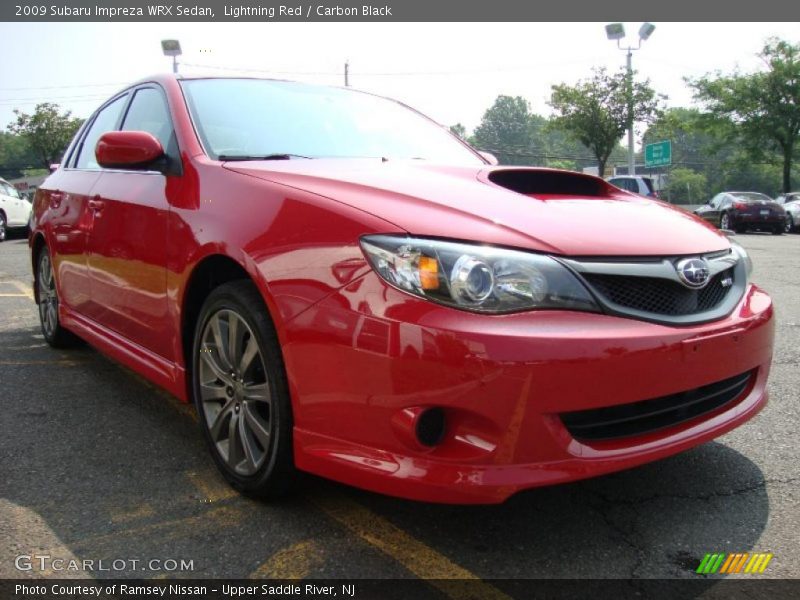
(544, 182)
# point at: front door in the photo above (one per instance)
(127, 248)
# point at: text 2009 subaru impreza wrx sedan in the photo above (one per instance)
(342, 287)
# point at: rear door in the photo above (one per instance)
(127, 247)
(64, 198)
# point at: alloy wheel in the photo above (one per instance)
(724, 222)
(235, 395)
(48, 296)
(788, 226)
(2, 228)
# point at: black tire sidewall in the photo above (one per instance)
(274, 476)
(53, 339)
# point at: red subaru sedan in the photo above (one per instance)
(342, 287)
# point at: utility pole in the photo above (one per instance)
(631, 161)
(615, 32)
(346, 73)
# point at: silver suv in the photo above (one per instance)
(638, 184)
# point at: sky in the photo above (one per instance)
(450, 71)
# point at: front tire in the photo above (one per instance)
(789, 225)
(725, 221)
(54, 334)
(3, 227)
(240, 391)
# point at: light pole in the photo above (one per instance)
(172, 48)
(616, 31)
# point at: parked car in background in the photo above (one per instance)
(15, 211)
(742, 211)
(341, 286)
(791, 204)
(638, 184)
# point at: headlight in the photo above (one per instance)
(476, 278)
(742, 254)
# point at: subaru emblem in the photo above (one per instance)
(693, 272)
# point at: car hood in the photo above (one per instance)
(463, 203)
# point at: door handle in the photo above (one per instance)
(55, 199)
(96, 204)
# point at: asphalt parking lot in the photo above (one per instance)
(97, 464)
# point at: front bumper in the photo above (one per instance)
(367, 355)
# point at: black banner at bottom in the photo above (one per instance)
(390, 589)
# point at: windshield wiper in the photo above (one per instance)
(260, 156)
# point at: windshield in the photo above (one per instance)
(9, 190)
(251, 118)
(751, 197)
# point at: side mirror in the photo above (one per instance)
(54, 167)
(489, 157)
(128, 150)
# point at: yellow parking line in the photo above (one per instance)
(13, 295)
(214, 518)
(423, 561)
(130, 514)
(294, 562)
(60, 363)
(211, 485)
(25, 289)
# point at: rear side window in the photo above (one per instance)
(105, 121)
(148, 112)
(648, 183)
(625, 184)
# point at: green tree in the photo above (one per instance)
(505, 130)
(595, 111)
(685, 186)
(459, 130)
(47, 131)
(16, 158)
(763, 107)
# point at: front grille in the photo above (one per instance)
(661, 296)
(638, 418)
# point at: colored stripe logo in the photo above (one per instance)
(738, 562)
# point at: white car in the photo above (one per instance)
(791, 203)
(15, 211)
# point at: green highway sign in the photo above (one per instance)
(658, 154)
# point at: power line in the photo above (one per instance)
(60, 87)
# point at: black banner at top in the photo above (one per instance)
(395, 10)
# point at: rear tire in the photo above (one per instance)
(240, 391)
(3, 227)
(778, 230)
(54, 334)
(789, 225)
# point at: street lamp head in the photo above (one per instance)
(615, 31)
(646, 30)
(171, 47)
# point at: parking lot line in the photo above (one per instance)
(211, 486)
(58, 363)
(220, 516)
(124, 515)
(423, 561)
(24, 290)
(294, 562)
